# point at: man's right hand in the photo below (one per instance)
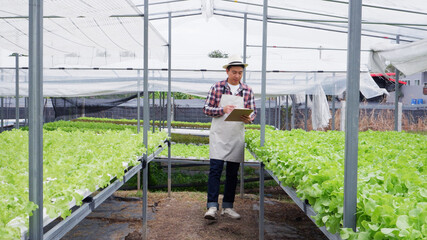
(229, 108)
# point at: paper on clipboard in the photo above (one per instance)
(237, 112)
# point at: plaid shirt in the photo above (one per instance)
(212, 108)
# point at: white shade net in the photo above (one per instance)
(88, 33)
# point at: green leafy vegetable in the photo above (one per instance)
(73, 161)
(392, 180)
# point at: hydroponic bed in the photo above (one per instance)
(392, 193)
(75, 161)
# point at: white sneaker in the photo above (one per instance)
(211, 214)
(229, 212)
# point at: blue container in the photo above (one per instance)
(420, 101)
(413, 101)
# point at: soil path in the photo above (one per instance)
(181, 217)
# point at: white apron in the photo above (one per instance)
(227, 139)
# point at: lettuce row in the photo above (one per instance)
(392, 191)
(72, 161)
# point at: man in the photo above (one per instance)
(227, 138)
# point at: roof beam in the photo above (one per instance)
(198, 10)
(289, 9)
(346, 22)
(174, 70)
(156, 3)
(328, 15)
(26, 17)
(381, 7)
(308, 48)
(392, 36)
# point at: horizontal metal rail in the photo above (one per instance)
(175, 70)
(59, 230)
(196, 161)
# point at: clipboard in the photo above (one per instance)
(237, 112)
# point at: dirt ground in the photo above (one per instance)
(181, 217)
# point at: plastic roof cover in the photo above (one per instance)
(79, 33)
(408, 58)
(307, 43)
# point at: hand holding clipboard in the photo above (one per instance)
(236, 114)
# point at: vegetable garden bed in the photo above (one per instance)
(74, 161)
(392, 194)
(174, 124)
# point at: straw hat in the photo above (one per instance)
(234, 60)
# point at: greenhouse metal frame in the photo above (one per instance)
(35, 94)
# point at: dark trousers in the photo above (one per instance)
(215, 171)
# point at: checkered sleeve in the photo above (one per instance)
(211, 107)
(250, 102)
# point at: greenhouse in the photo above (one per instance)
(310, 65)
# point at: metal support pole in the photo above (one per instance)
(264, 72)
(263, 90)
(25, 111)
(138, 101)
(333, 105)
(306, 112)
(1, 115)
(64, 109)
(280, 114)
(169, 170)
(242, 179)
(145, 199)
(275, 112)
(154, 112)
(146, 122)
(44, 110)
(343, 115)
(159, 110)
(8, 102)
(294, 105)
(261, 200)
(169, 107)
(245, 36)
(352, 113)
(26, 104)
(173, 108)
(164, 108)
(164, 121)
(35, 133)
(138, 122)
(399, 117)
(82, 113)
(397, 93)
(161, 99)
(333, 112)
(16, 89)
(287, 113)
(269, 111)
(2, 106)
(245, 33)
